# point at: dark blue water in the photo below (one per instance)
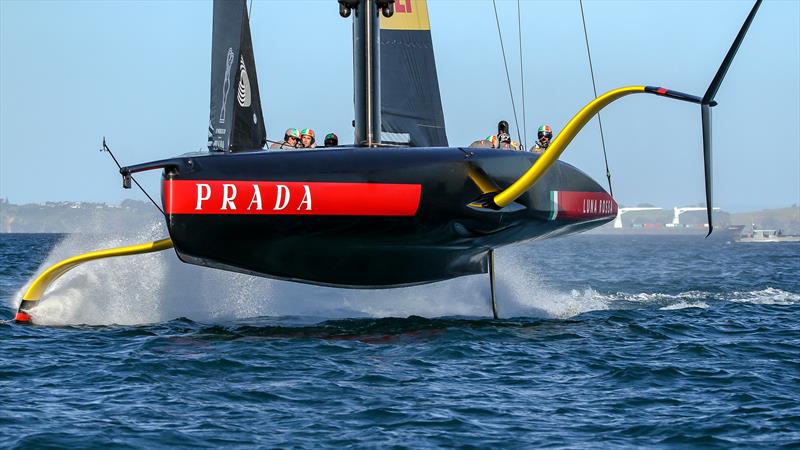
(607, 341)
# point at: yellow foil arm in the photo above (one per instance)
(43, 281)
(560, 143)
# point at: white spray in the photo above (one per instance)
(157, 287)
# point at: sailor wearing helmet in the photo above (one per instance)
(331, 140)
(291, 139)
(544, 136)
(500, 140)
(307, 138)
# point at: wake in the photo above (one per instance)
(157, 287)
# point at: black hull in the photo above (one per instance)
(443, 237)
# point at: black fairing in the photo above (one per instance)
(446, 238)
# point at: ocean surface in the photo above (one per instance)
(604, 342)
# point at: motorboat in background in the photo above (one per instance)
(761, 235)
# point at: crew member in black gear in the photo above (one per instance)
(331, 140)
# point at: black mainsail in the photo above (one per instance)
(411, 106)
(236, 122)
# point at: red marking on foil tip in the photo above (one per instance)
(23, 317)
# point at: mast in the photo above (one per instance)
(366, 66)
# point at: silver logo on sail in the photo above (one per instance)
(226, 84)
(243, 92)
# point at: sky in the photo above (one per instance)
(138, 73)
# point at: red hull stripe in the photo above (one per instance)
(568, 205)
(290, 198)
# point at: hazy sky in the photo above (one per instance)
(138, 73)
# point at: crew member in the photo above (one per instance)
(505, 142)
(544, 136)
(504, 137)
(502, 141)
(290, 139)
(489, 142)
(307, 138)
(331, 140)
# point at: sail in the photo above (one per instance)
(411, 107)
(236, 122)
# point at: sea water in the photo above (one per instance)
(604, 341)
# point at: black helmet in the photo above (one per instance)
(331, 140)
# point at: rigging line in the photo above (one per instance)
(594, 87)
(505, 63)
(106, 149)
(522, 81)
(250, 10)
(280, 143)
